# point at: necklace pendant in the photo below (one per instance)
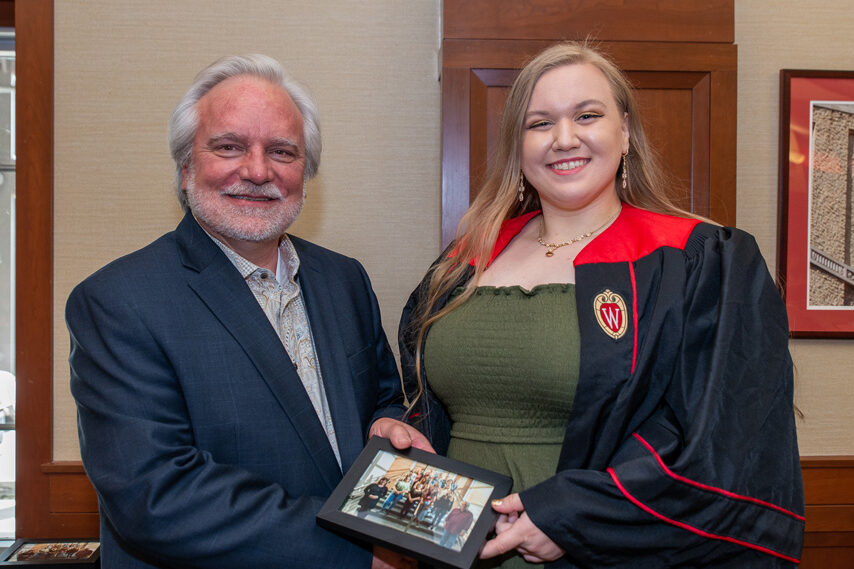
(550, 253)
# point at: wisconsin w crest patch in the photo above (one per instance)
(610, 309)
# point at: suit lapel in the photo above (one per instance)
(334, 363)
(219, 285)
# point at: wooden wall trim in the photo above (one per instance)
(830, 518)
(829, 539)
(827, 461)
(455, 141)
(34, 265)
(655, 56)
(829, 496)
(64, 467)
(707, 21)
(828, 480)
(7, 13)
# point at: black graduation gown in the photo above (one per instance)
(680, 450)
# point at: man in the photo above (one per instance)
(456, 524)
(226, 374)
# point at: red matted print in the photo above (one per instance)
(815, 253)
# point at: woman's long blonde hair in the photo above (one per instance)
(498, 200)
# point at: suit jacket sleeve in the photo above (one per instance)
(166, 500)
(711, 477)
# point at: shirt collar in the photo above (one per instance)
(286, 267)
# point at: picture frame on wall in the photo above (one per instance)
(429, 507)
(815, 250)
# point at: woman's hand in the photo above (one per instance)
(516, 531)
(505, 522)
(401, 435)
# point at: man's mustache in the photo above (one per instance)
(267, 190)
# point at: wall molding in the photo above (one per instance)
(829, 496)
(34, 267)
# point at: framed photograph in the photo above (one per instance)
(815, 250)
(51, 553)
(426, 506)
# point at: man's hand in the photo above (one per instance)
(386, 559)
(520, 534)
(401, 435)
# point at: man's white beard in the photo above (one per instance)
(244, 224)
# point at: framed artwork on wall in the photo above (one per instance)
(815, 252)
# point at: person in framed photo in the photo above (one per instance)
(399, 491)
(413, 497)
(426, 504)
(456, 524)
(625, 361)
(441, 507)
(373, 493)
(229, 373)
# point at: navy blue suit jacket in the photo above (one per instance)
(195, 430)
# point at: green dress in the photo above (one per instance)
(505, 365)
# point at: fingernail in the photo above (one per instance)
(497, 502)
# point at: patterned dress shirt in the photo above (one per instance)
(280, 297)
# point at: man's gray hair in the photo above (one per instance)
(185, 117)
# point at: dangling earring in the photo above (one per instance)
(521, 186)
(625, 171)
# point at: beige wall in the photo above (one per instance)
(122, 64)
(792, 34)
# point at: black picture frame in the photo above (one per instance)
(55, 553)
(347, 511)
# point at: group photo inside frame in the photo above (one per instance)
(427, 506)
(815, 252)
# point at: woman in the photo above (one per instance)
(625, 362)
(426, 505)
(373, 493)
(413, 499)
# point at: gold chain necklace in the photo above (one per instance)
(552, 247)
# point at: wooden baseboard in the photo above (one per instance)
(72, 501)
(829, 495)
